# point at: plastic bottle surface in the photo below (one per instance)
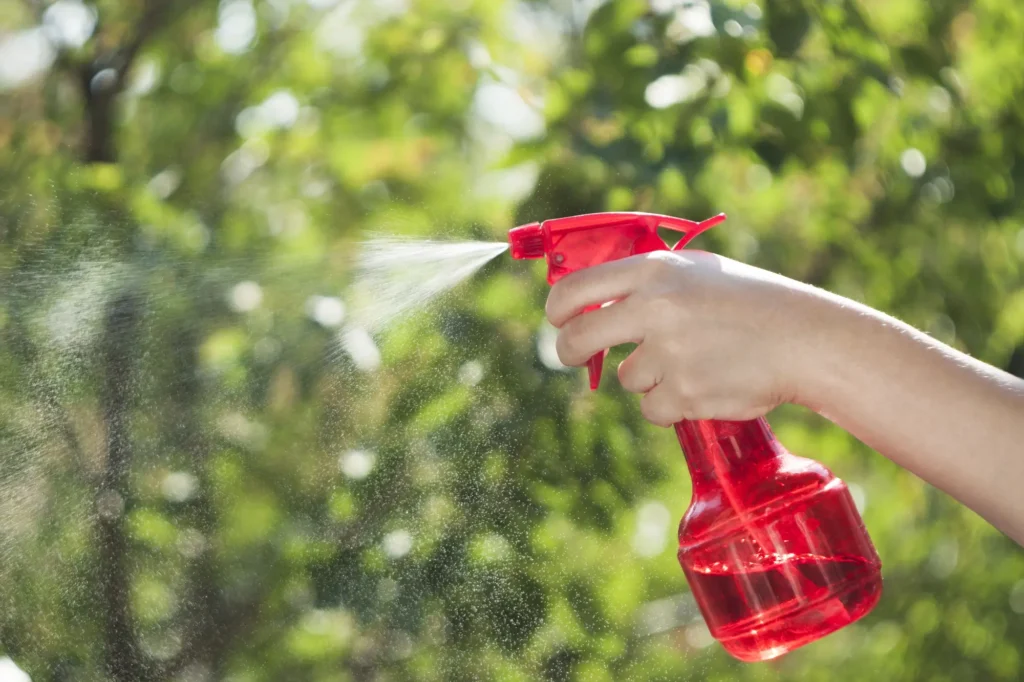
(772, 545)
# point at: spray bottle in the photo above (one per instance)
(774, 550)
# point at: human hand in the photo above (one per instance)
(717, 339)
(722, 340)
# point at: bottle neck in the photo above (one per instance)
(713, 446)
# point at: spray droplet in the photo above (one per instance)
(396, 276)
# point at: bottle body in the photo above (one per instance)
(772, 545)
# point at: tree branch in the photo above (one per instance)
(58, 415)
(205, 611)
(154, 17)
(104, 78)
(124, 662)
(211, 621)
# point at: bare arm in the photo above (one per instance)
(955, 421)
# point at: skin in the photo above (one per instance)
(718, 339)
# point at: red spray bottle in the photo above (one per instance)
(772, 545)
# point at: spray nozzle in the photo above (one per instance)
(527, 241)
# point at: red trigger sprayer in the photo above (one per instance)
(772, 545)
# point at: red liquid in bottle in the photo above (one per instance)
(772, 545)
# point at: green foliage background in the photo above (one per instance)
(171, 501)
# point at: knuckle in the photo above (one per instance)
(656, 410)
(687, 410)
(697, 413)
(661, 306)
(687, 393)
(650, 412)
(735, 411)
(688, 401)
(659, 264)
(703, 398)
(659, 260)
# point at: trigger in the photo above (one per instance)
(594, 367)
(596, 363)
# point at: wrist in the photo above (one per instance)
(823, 341)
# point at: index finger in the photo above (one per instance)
(592, 286)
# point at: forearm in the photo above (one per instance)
(950, 419)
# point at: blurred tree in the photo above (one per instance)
(202, 477)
